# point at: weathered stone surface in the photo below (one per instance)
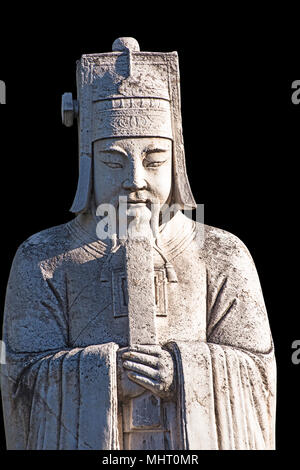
(125, 329)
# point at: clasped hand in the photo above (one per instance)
(143, 368)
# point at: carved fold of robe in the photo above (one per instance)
(53, 402)
(54, 396)
(228, 404)
(230, 401)
(65, 318)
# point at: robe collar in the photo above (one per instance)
(174, 236)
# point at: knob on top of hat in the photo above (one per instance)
(125, 44)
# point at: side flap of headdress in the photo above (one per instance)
(183, 195)
(82, 196)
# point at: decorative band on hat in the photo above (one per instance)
(132, 117)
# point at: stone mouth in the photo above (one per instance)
(136, 202)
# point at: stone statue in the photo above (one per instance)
(138, 331)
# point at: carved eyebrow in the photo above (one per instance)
(119, 150)
(114, 150)
(155, 150)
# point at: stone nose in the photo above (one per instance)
(136, 179)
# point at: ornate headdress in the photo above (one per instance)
(127, 93)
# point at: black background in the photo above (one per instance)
(241, 140)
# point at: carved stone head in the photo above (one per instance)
(128, 105)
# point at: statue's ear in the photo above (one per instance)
(82, 196)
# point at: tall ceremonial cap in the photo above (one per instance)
(127, 93)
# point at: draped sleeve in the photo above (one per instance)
(54, 396)
(227, 384)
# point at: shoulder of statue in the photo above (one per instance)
(45, 243)
(222, 248)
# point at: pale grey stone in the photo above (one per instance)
(139, 270)
(153, 338)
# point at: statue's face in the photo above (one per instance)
(139, 168)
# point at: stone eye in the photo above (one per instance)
(154, 164)
(113, 165)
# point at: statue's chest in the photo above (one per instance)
(98, 302)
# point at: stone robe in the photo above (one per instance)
(65, 318)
